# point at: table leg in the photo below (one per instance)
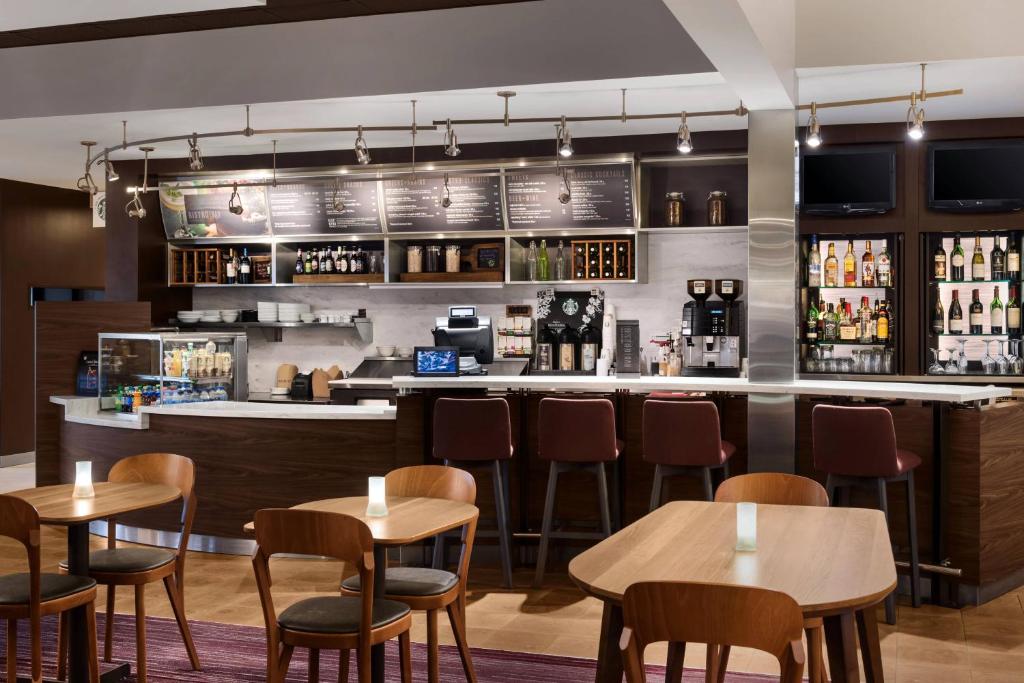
(842, 648)
(380, 565)
(609, 659)
(870, 647)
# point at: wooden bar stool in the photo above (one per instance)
(683, 438)
(575, 434)
(327, 622)
(136, 566)
(34, 595)
(475, 433)
(870, 461)
(425, 588)
(720, 616)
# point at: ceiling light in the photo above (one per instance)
(86, 183)
(112, 176)
(235, 202)
(564, 140)
(447, 201)
(565, 194)
(337, 203)
(362, 151)
(451, 142)
(813, 138)
(195, 157)
(915, 119)
(134, 207)
(683, 142)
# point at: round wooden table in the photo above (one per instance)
(836, 563)
(56, 506)
(408, 520)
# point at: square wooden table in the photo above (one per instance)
(836, 563)
(55, 506)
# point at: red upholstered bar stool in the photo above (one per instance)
(871, 460)
(684, 438)
(477, 432)
(575, 434)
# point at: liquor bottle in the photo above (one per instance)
(531, 262)
(230, 268)
(977, 314)
(867, 267)
(867, 330)
(543, 266)
(1013, 313)
(590, 347)
(560, 273)
(814, 264)
(957, 261)
(939, 263)
(821, 319)
(847, 327)
(299, 267)
(978, 262)
(831, 267)
(883, 324)
(938, 314)
(342, 264)
(568, 349)
(245, 268)
(811, 324)
(1012, 261)
(956, 315)
(998, 259)
(995, 311)
(831, 324)
(849, 267)
(874, 321)
(884, 276)
(307, 265)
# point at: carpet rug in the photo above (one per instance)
(237, 654)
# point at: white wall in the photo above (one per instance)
(404, 316)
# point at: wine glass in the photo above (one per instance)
(988, 363)
(952, 366)
(962, 362)
(936, 367)
(1015, 359)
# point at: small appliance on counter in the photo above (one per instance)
(712, 329)
(302, 387)
(470, 333)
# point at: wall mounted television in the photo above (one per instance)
(848, 181)
(976, 176)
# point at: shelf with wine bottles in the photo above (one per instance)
(851, 288)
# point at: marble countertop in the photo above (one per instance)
(86, 410)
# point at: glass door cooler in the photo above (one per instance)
(973, 308)
(849, 304)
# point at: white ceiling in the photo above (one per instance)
(21, 14)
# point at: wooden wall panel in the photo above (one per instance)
(1001, 504)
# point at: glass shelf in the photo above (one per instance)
(848, 343)
(974, 282)
(969, 336)
(848, 288)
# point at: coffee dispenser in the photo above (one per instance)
(712, 328)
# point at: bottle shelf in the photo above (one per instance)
(974, 282)
(848, 343)
(970, 336)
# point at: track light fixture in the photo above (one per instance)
(565, 194)
(683, 142)
(134, 207)
(337, 203)
(195, 156)
(564, 139)
(447, 201)
(235, 202)
(112, 176)
(362, 151)
(813, 138)
(451, 141)
(915, 118)
(86, 183)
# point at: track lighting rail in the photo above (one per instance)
(738, 111)
(881, 100)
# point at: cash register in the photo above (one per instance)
(470, 333)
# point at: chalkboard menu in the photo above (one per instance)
(323, 208)
(601, 197)
(190, 210)
(417, 204)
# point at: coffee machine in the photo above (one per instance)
(712, 328)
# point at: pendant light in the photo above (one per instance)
(86, 183)
(915, 119)
(565, 194)
(195, 156)
(813, 138)
(683, 142)
(564, 139)
(362, 151)
(235, 202)
(451, 141)
(112, 176)
(337, 203)
(134, 207)
(447, 201)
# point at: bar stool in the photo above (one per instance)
(477, 432)
(870, 461)
(575, 434)
(700, 452)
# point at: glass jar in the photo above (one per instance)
(675, 202)
(452, 252)
(433, 260)
(414, 259)
(717, 207)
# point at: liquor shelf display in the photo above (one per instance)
(974, 308)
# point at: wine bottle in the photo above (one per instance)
(977, 314)
(995, 314)
(560, 272)
(342, 266)
(998, 259)
(543, 266)
(938, 314)
(957, 261)
(884, 276)
(327, 267)
(1013, 313)
(831, 267)
(531, 262)
(978, 262)
(230, 268)
(867, 267)
(956, 315)
(849, 267)
(245, 268)
(939, 263)
(1012, 260)
(814, 263)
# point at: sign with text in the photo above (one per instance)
(325, 207)
(418, 204)
(189, 210)
(599, 196)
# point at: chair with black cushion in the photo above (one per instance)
(424, 588)
(137, 566)
(33, 595)
(326, 622)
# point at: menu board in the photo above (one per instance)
(190, 210)
(325, 207)
(601, 196)
(417, 204)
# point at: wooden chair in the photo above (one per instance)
(432, 589)
(776, 488)
(325, 622)
(35, 594)
(715, 614)
(137, 566)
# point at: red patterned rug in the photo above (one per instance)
(236, 654)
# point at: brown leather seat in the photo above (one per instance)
(410, 581)
(332, 614)
(14, 588)
(115, 560)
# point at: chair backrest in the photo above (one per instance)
(715, 614)
(20, 521)
(576, 430)
(772, 488)
(682, 433)
(871, 454)
(472, 429)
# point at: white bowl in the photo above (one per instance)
(385, 350)
(229, 317)
(405, 351)
(307, 317)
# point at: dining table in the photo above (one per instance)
(836, 563)
(408, 520)
(57, 507)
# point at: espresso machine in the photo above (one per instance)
(712, 329)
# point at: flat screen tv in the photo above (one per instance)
(848, 181)
(976, 176)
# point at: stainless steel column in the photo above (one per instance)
(771, 292)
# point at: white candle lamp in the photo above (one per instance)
(83, 480)
(746, 526)
(377, 505)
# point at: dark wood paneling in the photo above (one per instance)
(1000, 506)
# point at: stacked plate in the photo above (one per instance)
(291, 313)
(189, 316)
(212, 316)
(266, 311)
